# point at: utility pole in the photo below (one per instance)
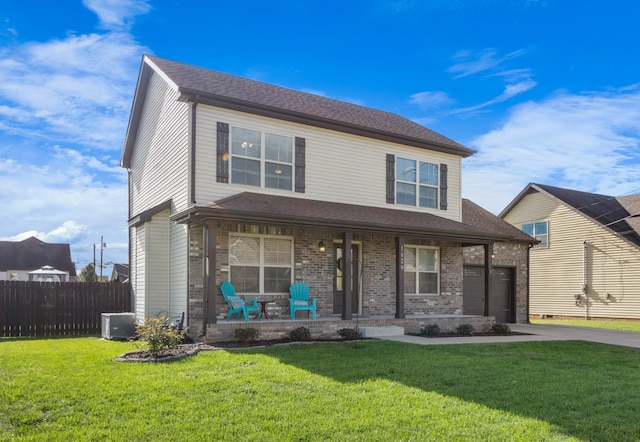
(102, 246)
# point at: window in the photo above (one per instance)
(260, 264)
(416, 183)
(539, 230)
(250, 162)
(421, 269)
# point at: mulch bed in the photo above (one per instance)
(183, 351)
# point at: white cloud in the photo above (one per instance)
(115, 14)
(510, 91)
(64, 107)
(78, 89)
(469, 62)
(68, 231)
(584, 142)
(430, 99)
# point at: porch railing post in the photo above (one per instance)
(400, 278)
(488, 253)
(209, 293)
(347, 262)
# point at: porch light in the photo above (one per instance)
(321, 247)
(278, 171)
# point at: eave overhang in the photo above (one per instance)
(188, 95)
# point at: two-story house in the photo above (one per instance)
(234, 179)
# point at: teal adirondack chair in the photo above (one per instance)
(299, 300)
(237, 305)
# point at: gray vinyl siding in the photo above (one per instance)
(159, 163)
(159, 172)
(157, 260)
(339, 167)
(137, 271)
(611, 269)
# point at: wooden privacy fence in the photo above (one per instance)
(59, 309)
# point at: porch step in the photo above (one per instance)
(379, 331)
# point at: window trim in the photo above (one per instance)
(417, 185)
(417, 277)
(263, 159)
(261, 263)
(541, 244)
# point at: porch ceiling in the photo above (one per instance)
(261, 208)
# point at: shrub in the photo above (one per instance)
(349, 334)
(464, 329)
(156, 335)
(300, 334)
(246, 334)
(500, 329)
(430, 330)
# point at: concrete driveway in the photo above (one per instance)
(536, 332)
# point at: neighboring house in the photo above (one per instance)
(587, 263)
(120, 273)
(20, 258)
(234, 179)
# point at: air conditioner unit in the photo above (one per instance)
(118, 325)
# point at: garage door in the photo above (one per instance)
(501, 298)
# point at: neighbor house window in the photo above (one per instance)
(540, 231)
(261, 159)
(416, 183)
(260, 264)
(421, 270)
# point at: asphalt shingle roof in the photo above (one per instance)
(32, 254)
(298, 211)
(205, 83)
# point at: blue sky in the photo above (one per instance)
(546, 91)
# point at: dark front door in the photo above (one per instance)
(339, 283)
(502, 295)
(501, 298)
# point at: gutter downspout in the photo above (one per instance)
(584, 279)
(528, 321)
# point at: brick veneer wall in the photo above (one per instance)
(377, 259)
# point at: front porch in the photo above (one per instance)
(327, 327)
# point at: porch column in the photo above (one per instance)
(347, 263)
(399, 277)
(209, 262)
(488, 251)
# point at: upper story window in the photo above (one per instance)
(421, 270)
(540, 231)
(261, 159)
(416, 183)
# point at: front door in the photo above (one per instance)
(339, 283)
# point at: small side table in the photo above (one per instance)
(263, 310)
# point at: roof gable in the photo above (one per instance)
(32, 254)
(605, 210)
(232, 92)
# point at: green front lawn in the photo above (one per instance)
(73, 389)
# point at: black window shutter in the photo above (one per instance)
(443, 187)
(222, 153)
(300, 164)
(391, 178)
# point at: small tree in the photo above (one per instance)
(88, 274)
